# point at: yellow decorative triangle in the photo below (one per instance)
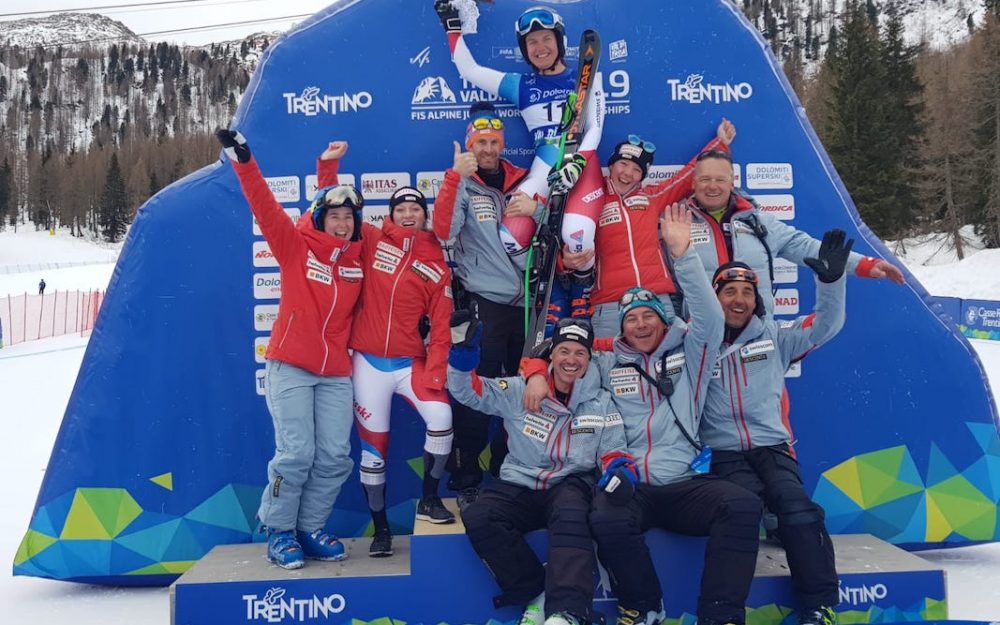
(82, 522)
(166, 480)
(938, 527)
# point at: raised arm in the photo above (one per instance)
(497, 396)
(681, 184)
(450, 205)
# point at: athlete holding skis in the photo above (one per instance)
(406, 279)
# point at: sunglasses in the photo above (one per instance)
(340, 195)
(736, 274)
(642, 295)
(543, 17)
(647, 146)
(484, 123)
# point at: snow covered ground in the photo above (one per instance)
(36, 379)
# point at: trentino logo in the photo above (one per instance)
(311, 103)
(274, 607)
(695, 90)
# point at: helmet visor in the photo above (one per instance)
(340, 195)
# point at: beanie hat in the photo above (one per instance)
(638, 297)
(739, 272)
(483, 122)
(407, 194)
(570, 329)
(636, 150)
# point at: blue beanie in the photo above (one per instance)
(637, 297)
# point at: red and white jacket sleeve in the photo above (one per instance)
(281, 234)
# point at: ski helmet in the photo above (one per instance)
(635, 149)
(407, 194)
(337, 196)
(541, 18)
(739, 272)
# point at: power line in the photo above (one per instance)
(99, 8)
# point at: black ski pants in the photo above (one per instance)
(773, 474)
(697, 506)
(500, 355)
(496, 524)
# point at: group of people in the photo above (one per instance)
(657, 402)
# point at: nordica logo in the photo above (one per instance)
(274, 607)
(310, 103)
(856, 595)
(695, 91)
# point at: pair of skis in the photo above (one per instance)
(546, 245)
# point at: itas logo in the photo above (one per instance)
(695, 90)
(310, 103)
(422, 58)
(618, 50)
(381, 186)
(274, 607)
(857, 595)
(434, 98)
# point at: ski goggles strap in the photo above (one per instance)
(736, 274)
(541, 16)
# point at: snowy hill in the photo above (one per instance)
(66, 29)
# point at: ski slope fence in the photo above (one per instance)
(26, 267)
(30, 317)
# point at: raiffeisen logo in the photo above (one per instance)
(311, 103)
(695, 90)
(274, 607)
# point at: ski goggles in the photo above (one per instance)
(339, 195)
(735, 274)
(641, 295)
(486, 123)
(647, 146)
(541, 16)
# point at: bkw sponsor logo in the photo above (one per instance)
(274, 607)
(695, 90)
(311, 103)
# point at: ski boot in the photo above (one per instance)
(534, 612)
(284, 550)
(319, 545)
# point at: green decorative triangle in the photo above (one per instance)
(82, 523)
(967, 510)
(114, 507)
(417, 464)
(32, 544)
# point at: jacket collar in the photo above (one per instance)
(326, 248)
(424, 243)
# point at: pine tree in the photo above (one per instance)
(6, 176)
(114, 208)
(985, 109)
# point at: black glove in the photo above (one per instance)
(832, 257)
(466, 329)
(449, 16)
(561, 180)
(543, 350)
(234, 144)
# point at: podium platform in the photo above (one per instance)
(435, 577)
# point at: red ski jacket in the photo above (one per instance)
(321, 278)
(628, 250)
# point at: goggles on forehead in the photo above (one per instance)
(484, 123)
(736, 274)
(648, 146)
(541, 16)
(340, 195)
(641, 295)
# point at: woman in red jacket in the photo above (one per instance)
(309, 390)
(406, 282)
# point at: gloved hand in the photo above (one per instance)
(234, 144)
(619, 479)
(832, 256)
(466, 331)
(449, 16)
(561, 180)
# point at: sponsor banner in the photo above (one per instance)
(659, 173)
(381, 186)
(293, 214)
(980, 319)
(437, 97)
(769, 176)
(267, 286)
(264, 316)
(785, 271)
(311, 101)
(795, 370)
(275, 604)
(262, 256)
(786, 302)
(375, 215)
(284, 188)
(737, 175)
(781, 206)
(429, 182)
(260, 382)
(312, 184)
(618, 51)
(694, 89)
(260, 348)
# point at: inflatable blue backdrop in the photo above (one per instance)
(163, 446)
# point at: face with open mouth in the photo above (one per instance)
(339, 222)
(569, 363)
(409, 215)
(625, 175)
(643, 329)
(713, 183)
(738, 300)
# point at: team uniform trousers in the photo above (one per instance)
(772, 473)
(312, 439)
(504, 512)
(501, 346)
(698, 506)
